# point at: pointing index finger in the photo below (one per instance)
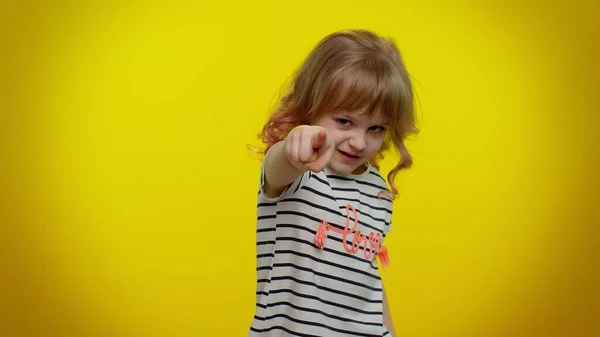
(318, 139)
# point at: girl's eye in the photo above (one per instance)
(378, 128)
(344, 122)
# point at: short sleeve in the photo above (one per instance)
(288, 192)
(387, 227)
(382, 254)
(388, 204)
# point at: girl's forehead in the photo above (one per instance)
(364, 115)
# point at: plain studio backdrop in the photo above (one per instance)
(127, 196)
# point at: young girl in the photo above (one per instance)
(323, 207)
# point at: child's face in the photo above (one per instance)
(358, 137)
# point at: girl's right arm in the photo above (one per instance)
(279, 170)
(305, 148)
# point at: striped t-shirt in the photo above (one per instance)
(333, 290)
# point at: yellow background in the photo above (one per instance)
(128, 195)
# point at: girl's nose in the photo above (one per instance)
(358, 142)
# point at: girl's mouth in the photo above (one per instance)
(349, 156)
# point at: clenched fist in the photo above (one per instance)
(309, 147)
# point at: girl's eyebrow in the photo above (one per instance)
(382, 123)
(343, 115)
(347, 115)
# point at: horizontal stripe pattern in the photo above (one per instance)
(302, 290)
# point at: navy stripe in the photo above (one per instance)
(307, 283)
(368, 215)
(357, 181)
(315, 311)
(386, 209)
(324, 195)
(312, 244)
(358, 271)
(260, 230)
(264, 217)
(264, 268)
(270, 242)
(278, 327)
(320, 221)
(377, 175)
(298, 185)
(316, 273)
(321, 325)
(263, 263)
(325, 182)
(356, 190)
(312, 190)
(267, 204)
(335, 212)
(265, 255)
(347, 307)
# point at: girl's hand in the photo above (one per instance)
(309, 147)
